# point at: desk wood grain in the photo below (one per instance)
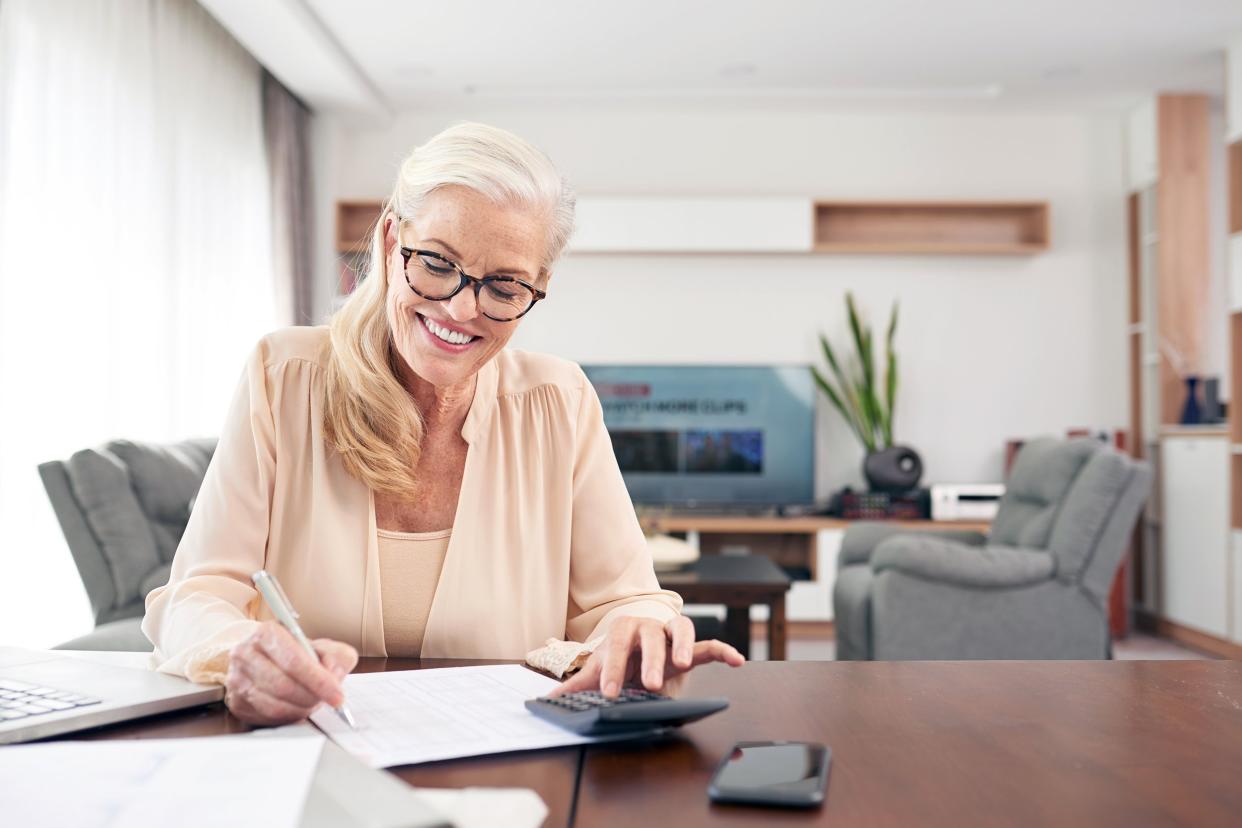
(954, 743)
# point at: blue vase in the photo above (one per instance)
(1192, 412)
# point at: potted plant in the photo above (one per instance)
(867, 405)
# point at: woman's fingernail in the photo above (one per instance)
(610, 689)
(683, 655)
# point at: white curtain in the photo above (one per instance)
(135, 256)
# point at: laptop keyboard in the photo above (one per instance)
(19, 700)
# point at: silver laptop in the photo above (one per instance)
(43, 693)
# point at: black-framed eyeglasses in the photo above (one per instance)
(500, 298)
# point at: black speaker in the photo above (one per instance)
(894, 469)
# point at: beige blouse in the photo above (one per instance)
(545, 543)
(410, 565)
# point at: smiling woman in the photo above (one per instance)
(418, 489)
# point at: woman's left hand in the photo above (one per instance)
(647, 650)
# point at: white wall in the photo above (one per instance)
(990, 347)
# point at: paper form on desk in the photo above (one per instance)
(411, 716)
(210, 781)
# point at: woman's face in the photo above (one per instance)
(483, 239)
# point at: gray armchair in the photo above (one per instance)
(1036, 588)
(123, 508)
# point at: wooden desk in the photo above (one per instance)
(954, 743)
(914, 743)
(737, 581)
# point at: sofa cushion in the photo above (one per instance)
(157, 577)
(136, 499)
(1092, 498)
(851, 602)
(165, 479)
(100, 483)
(933, 559)
(1041, 477)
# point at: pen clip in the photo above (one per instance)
(277, 589)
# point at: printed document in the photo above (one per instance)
(134, 783)
(411, 716)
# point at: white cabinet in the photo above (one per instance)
(652, 224)
(1233, 90)
(1195, 518)
(1235, 272)
(1141, 153)
(1236, 612)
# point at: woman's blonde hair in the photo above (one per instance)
(368, 415)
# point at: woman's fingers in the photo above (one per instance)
(709, 651)
(681, 637)
(337, 656)
(280, 646)
(585, 679)
(616, 660)
(654, 645)
(255, 705)
(263, 673)
(617, 649)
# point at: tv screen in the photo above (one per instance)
(711, 435)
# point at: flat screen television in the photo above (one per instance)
(711, 435)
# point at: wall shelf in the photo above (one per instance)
(954, 228)
(776, 225)
(354, 220)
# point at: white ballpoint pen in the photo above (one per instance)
(279, 604)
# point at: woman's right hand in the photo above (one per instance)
(271, 680)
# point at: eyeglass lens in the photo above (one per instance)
(435, 278)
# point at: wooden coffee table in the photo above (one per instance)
(737, 581)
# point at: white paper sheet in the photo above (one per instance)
(411, 716)
(212, 781)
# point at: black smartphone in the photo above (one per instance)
(792, 774)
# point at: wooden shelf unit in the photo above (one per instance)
(983, 228)
(354, 221)
(951, 228)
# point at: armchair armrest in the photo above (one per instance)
(862, 538)
(934, 559)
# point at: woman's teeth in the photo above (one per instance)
(451, 337)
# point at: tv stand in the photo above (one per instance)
(792, 543)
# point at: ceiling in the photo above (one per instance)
(383, 56)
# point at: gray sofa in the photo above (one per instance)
(1035, 588)
(123, 508)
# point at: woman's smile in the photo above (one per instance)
(445, 336)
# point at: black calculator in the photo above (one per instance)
(591, 713)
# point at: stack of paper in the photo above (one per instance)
(412, 716)
(158, 782)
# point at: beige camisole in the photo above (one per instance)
(410, 564)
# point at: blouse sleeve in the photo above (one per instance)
(611, 573)
(209, 601)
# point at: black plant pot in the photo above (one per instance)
(894, 469)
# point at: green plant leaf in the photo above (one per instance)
(852, 409)
(891, 393)
(866, 392)
(890, 379)
(832, 395)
